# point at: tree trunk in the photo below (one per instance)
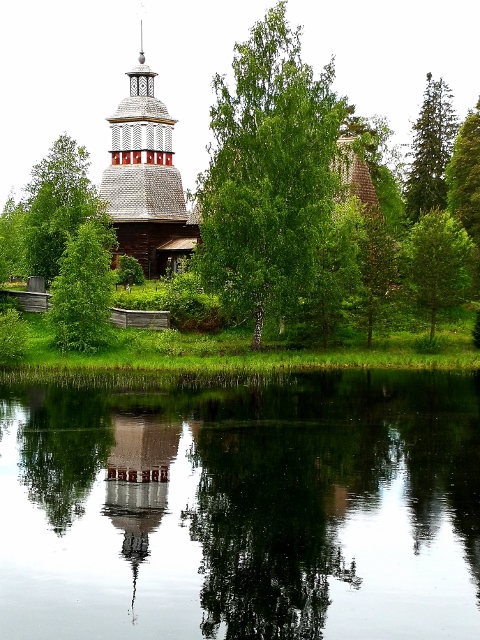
(257, 333)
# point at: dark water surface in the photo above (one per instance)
(337, 506)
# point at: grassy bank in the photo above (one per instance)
(229, 352)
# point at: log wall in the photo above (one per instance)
(141, 240)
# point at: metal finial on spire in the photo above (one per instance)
(141, 57)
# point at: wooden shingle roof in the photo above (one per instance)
(143, 192)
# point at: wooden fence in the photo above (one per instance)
(122, 318)
(157, 320)
(30, 300)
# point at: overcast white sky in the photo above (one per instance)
(64, 64)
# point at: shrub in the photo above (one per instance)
(129, 269)
(13, 336)
(428, 345)
(8, 302)
(190, 308)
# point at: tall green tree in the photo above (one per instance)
(433, 137)
(59, 199)
(438, 257)
(337, 274)
(378, 267)
(463, 175)
(11, 240)
(269, 186)
(81, 292)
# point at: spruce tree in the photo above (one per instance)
(378, 267)
(438, 257)
(463, 175)
(433, 137)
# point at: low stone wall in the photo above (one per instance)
(30, 300)
(126, 318)
(122, 318)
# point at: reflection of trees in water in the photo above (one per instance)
(8, 408)
(262, 516)
(63, 444)
(432, 433)
(340, 458)
(441, 435)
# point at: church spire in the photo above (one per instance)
(141, 57)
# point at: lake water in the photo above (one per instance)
(338, 506)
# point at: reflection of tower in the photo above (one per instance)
(137, 481)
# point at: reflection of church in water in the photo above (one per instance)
(137, 480)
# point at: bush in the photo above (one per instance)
(430, 346)
(190, 308)
(13, 336)
(8, 302)
(129, 271)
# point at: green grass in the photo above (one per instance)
(137, 350)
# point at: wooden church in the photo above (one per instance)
(142, 187)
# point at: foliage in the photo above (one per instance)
(384, 162)
(463, 175)
(337, 277)
(438, 255)
(390, 200)
(13, 336)
(428, 345)
(191, 309)
(129, 271)
(269, 187)
(433, 137)
(476, 331)
(3, 264)
(12, 261)
(378, 266)
(81, 293)
(60, 198)
(133, 357)
(8, 302)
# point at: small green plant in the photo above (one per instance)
(13, 336)
(8, 302)
(167, 343)
(427, 345)
(129, 271)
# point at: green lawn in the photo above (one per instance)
(229, 352)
